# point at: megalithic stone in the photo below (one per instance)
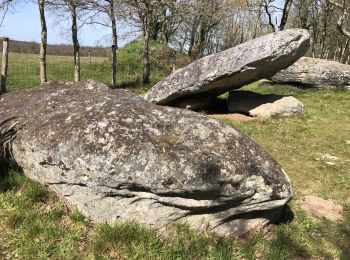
(116, 157)
(233, 68)
(317, 73)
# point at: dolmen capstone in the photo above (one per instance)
(116, 157)
(234, 68)
(318, 73)
(264, 105)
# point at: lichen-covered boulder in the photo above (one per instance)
(318, 73)
(264, 105)
(231, 69)
(117, 157)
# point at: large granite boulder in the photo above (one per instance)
(264, 105)
(231, 69)
(319, 73)
(117, 157)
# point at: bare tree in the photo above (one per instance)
(143, 12)
(271, 9)
(5, 5)
(285, 14)
(108, 8)
(146, 15)
(327, 22)
(269, 14)
(71, 7)
(167, 21)
(341, 24)
(200, 20)
(43, 45)
(114, 41)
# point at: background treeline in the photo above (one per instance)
(55, 49)
(198, 27)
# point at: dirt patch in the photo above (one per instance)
(321, 208)
(232, 117)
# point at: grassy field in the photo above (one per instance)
(35, 225)
(24, 69)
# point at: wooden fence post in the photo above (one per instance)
(90, 57)
(5, 63)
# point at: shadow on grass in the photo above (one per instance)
(343, 236)
(9, 177)
(287, 215)
(129, 85)
(13, 179)
(285, 244)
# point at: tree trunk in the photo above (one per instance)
(324, 33)
(164, 37)
(156, 28)
(342, 20)
(266, 6)
(303, 14)
(146, 62)
(336, 54)
(286, 9)
(182, 44)
(43, 44)
(193, 35)
(76, 46)
(114, 44)
(203, 32)
(343, 57)
(327, 52)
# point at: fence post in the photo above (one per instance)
(5, 64)
(90, 57)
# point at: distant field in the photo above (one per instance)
(56, 49)
(24, 69)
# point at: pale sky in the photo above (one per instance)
(23, 24)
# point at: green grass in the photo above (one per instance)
(298, 143)
(35, 225)
(24, 68)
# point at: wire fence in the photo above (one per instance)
(24, 70)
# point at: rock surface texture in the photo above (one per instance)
(117, 157)
(231, 69)
(258, 105)
(317, 73)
